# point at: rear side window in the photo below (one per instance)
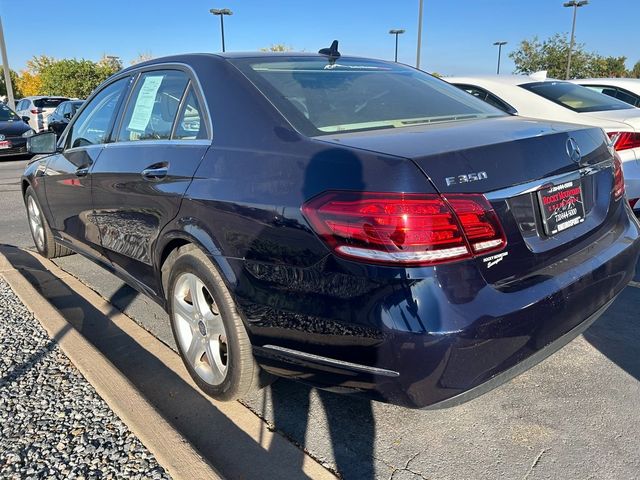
(190, 124)
(619, 93)
(575, 97)
(48, 102)
(153, 106)
(94, 123)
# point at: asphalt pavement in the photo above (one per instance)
(572, 416)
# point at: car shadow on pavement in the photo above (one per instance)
(19, 370)
(233, 452)
(616, 334)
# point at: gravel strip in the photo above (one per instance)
(53, 424)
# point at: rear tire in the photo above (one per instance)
(207, 328)
(40, 230)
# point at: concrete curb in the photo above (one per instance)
(172, 450)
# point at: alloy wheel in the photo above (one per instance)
(35, 222)
(200, 329)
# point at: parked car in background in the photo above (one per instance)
(625, 89)
(62, 115)
(35, 110)
(13, 133)
(567, 102)
(352, 223)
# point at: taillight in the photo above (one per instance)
(35, 111)
(618, 177)
(408, 229)
(625, 140)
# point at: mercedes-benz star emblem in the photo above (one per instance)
(573, 150)
(2, 137)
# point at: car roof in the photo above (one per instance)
(611, 81)
(198, 57)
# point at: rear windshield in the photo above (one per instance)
(575, 97)
(320, 97)
(7, 114)
(48, 102)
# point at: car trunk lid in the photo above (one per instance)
(512, 160)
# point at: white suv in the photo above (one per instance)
(37, 109)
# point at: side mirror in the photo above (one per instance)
(25, 119)
(42, 143)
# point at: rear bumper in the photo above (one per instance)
(431, 337)
(18, 147)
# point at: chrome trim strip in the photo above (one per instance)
(536, 185)
(332, 361)
(133, 143)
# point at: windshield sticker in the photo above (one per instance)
(144, 103)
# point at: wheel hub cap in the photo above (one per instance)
(202, 328)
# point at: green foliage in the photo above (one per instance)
(552, 54)
(635, 71)
(14, 82)
(75, 78)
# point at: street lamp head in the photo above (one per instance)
(500, 43)
(574, 3)
(396, 32)
(221, 11)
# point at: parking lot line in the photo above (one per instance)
(249, 450)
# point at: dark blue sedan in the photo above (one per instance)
(355, 224)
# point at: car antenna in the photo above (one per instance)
(332, 52)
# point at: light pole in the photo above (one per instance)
(396, 33)
(575, 4)
(221, 13)
(419, 36)
(499, 44)
(7, 72)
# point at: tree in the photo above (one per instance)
(608, 67)
(635, 71)
(551, 55)
(74, 78)
(30, 84)
(277, 47)
(110, 63)
(142, 57)
(17, 93)
(37, 64)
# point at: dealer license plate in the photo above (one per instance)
(562, 206)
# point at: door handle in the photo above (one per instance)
(155, 172)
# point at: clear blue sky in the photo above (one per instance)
(457, 34)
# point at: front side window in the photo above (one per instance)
(153, 106)
(320, 97)
(93, 125)
(575, 97)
